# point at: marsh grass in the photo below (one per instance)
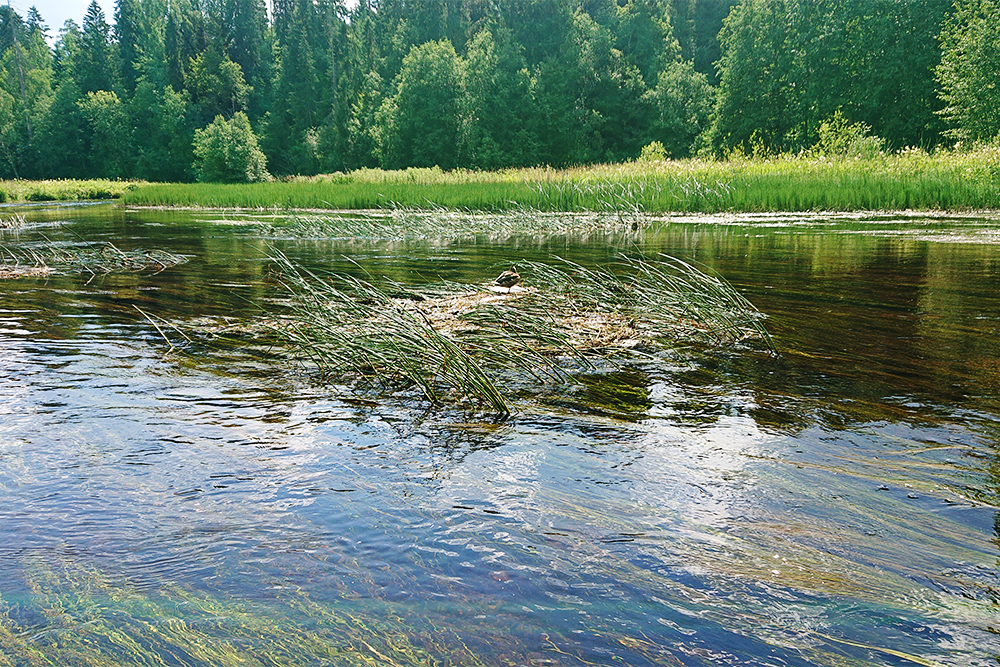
(23, 260)
(15, 221)
(409, 224)
(911, 179)
(473, 343)
(63, 190)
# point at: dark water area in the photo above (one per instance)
(833, 504)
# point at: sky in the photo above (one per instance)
(55, 12)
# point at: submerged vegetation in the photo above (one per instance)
(176, 624)
(473, 342)
(815, 181)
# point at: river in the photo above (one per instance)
(186, 503)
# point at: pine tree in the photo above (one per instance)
(36, 23)
(128, 30)
(95, 66)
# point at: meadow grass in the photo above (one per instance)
(63, 190)
(909, 180)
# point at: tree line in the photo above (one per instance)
(177, 90)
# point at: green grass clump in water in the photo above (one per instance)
(464, 342)
(910, 179)
(63, 190)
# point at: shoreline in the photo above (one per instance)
(942, 183)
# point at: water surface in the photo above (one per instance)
(835, 504)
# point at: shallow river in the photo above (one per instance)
(834, 504)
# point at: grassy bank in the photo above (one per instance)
(909, 180)
(13, 192)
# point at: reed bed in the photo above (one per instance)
(63, 190)
(15, 221)
(409, 224)
(475, 343)
(20, 261)
(909, 180)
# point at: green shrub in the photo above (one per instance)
(839, 138)
(226, 151)
(653, 152)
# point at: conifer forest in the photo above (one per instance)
(163, 88)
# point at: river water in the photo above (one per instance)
(833, 504)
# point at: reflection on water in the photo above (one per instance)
(834, 505)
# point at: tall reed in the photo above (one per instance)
(907, 180)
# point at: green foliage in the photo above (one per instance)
(25, 99)
(128, 35)
(590, 99)
(110, 134)
(94, 67)
(787, 65)
(839, 138)
(216, 85)
(422, 120)
(682, 101)
(645, 34)
(183, 38)
(304, 91)
(227, 152)
(472, 84)
(653, 152)
(500, 108)
(62, 139)
(163, 134)
(697, 24)
(969, 72)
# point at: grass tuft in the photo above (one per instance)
(96, 259)
(472, 342)
(15, 221)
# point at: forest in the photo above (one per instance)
(232, 90)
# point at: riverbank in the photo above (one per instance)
(911, 180)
